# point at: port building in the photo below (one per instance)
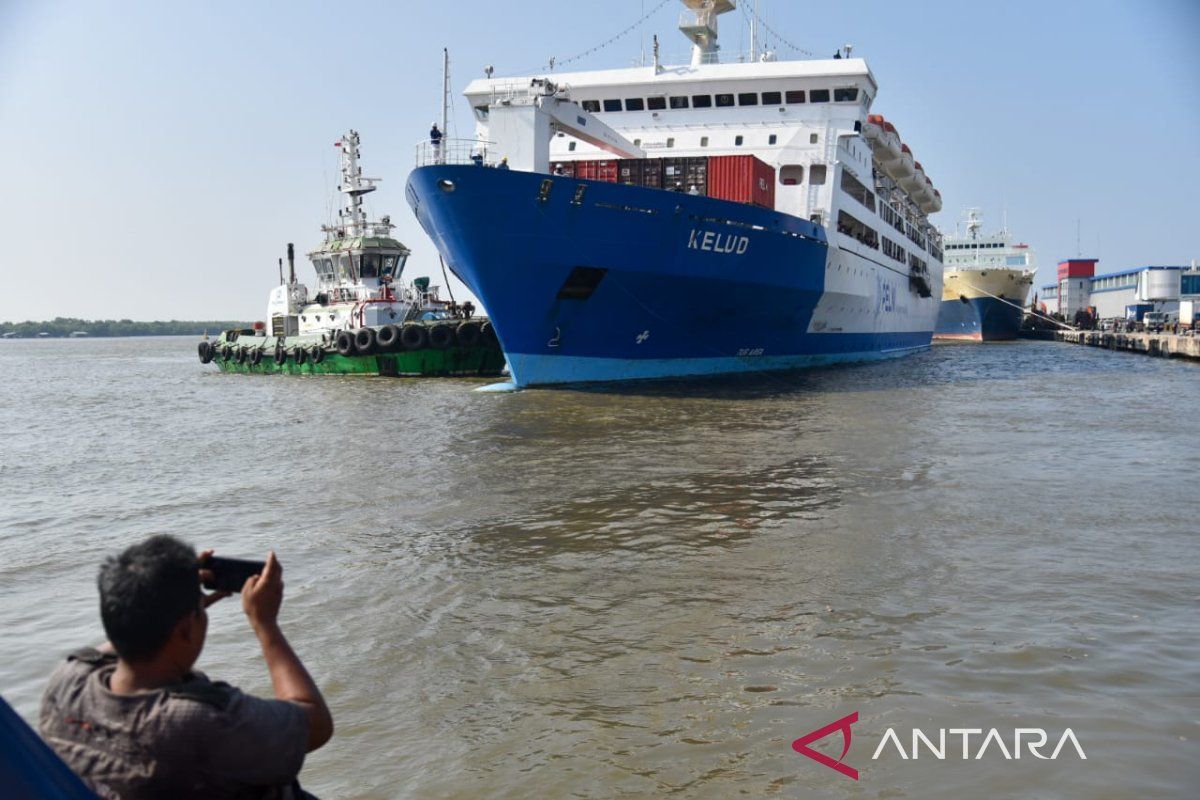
(1126, 295)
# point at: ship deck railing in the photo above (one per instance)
(453, 151)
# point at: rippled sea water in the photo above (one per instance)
(652, 590)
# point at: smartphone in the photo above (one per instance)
(230, 574)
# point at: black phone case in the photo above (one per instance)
(230, 574)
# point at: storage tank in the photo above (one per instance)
(1156, 283)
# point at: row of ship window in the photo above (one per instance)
(738, 141)
(975, 246)
(724, 100)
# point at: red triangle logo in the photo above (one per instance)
(801, 745)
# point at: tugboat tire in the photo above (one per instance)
(345, 343)
(205, 351)
(364, 341)
(388, 338)
(256, 356)
(316, 353)
(242, 354)
(226, 352)
(488, 332)
(280, 356)
(299, 355)
(468, 334)
(441, 336)
(413, 336)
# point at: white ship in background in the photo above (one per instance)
(687, 220)
(986, 286)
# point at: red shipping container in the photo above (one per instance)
(742, 179)
(597, 170)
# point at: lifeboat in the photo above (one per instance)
(924, 197)
(915, 179)
(937, 202)
(902, 167)
(882, 136)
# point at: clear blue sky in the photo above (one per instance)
(157, 156)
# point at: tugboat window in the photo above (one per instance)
(343, 268)
(845, 95)
(702, 101)
(612, 105)
(656, 103)
(591, 106)
(724, 100)
(369, 265)
(679, 102)
(635, 104)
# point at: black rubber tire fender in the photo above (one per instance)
(441, 336)
(388, 338)
(226, 352)
(469, 334)
(345, 343)
(243, 353)
(256, 356)
(280, 356)
(364, 341)
(316, 353)
(488, 331)
(299, 354)
(205, 351)
(414, 336)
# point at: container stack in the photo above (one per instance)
(740, 179)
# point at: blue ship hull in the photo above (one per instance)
(588, 281)
(978, 319)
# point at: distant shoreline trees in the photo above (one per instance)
(63, 327)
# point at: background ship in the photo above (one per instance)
(987, 282)
(690, 220)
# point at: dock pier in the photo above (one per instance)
(1166, 345)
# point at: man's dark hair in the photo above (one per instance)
(144, 592)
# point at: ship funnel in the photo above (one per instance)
(291, 263)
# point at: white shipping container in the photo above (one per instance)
(1187, 311)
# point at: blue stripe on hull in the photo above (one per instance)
(981, 319)
(546, 370)
(692, 285)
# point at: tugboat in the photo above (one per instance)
(359, 320)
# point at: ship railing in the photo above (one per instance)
(454, 151)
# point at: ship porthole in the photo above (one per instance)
(446, 186)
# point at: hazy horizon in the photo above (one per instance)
(160, 158)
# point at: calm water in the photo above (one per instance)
(654, 591)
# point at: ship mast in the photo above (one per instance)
(703, 30)
(354, 186)
(445, 96)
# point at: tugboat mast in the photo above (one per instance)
(354, 186)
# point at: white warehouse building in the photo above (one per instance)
(1125, 295)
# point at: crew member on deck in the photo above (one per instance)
(435, 137)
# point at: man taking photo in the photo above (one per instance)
(133, 719)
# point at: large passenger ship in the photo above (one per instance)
(707, 218)
(987, 283)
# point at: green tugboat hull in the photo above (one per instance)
(451, 362)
